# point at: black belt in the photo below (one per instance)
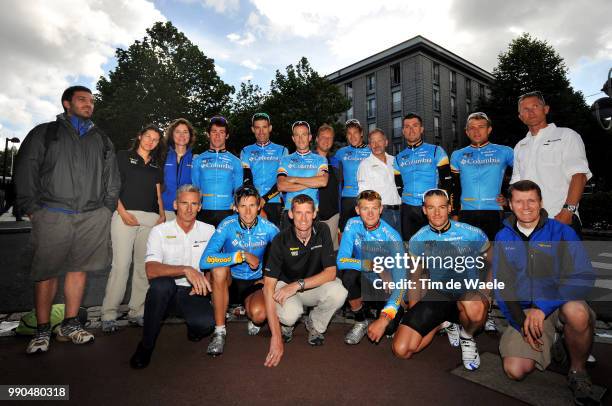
(391, 206)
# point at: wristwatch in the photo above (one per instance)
(302, 284)
(570, 207)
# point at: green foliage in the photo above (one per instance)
(247, 101)
(530, 64)
(161, 78)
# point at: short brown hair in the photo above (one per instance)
(369, 195)
(301, 199)
(325, 127)
(525, 186)
(170, 130)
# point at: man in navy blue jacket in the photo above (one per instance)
(547, 275)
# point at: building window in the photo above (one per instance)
(371, 107)
(436, 98)
(437, 129)
(455, 133)
(468, 88)
(453, 105)
(397, 127)
(395, 74)
(371, 83)
(348, 91)
(468, 107)
(397, 147)
(481, 91)
(371, 126)
(396, 101)
(436, 73)
(453, 81)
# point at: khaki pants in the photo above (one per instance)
(326, 299)
(129, 245)
(332, 223)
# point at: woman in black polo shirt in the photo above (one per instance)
(140, 208)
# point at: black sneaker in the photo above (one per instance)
(581, 386)
(141, 357)
(314, 337)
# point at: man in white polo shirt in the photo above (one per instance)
(554, 158)
(376, 173)
(172, 263)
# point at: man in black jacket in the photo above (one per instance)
(68, 184)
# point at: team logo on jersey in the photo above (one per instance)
(294, 251)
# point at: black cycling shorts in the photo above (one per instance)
(433, 309)
(240, 289)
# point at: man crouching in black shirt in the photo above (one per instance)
(300, 271)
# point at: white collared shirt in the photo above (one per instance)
(374, 174)
(169, 245)
(550, 159)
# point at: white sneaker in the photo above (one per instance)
(252, 329)
(469, 354)
(40, 343)
(452, 331)
(490, 324)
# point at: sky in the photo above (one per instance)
(50, 45)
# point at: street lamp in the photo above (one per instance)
(14, 140)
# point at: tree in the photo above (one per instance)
(530, 64)
(161, 78)
(246, 102)
(302, 94)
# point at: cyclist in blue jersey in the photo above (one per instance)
(353, 258)
(466, 247)
(478, 174)
(422, 167)
(218, 173)
(235, 254)
(302, 172)
(180, 137)
(260, 162)
(349, 158)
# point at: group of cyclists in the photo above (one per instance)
(258, 243)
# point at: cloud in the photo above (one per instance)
(220, 70)
(220, 6)
(247, 39)
(246, 77)
(48, 46)
(247, 63)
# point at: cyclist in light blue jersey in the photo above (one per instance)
(218, 173)
(478, 174)
(302, 172)
(349, 158)
(260, 163)
(235, 254)
(422, 167)
(353, 257)
(464, 304)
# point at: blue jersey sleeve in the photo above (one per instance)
(455, 162)
(509, 156)
(282, 167)
(237, 174)
(195, 172)
(345, 259)
(213, 256)
(244, 158)
(440, 157)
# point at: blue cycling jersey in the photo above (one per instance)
(176, 174)
(451, 253)
(304, 165)
(263, 160)
(481, 171)
(233, 236)
(218, 174)
(350, 157)
(418, 166)
(353, 251)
